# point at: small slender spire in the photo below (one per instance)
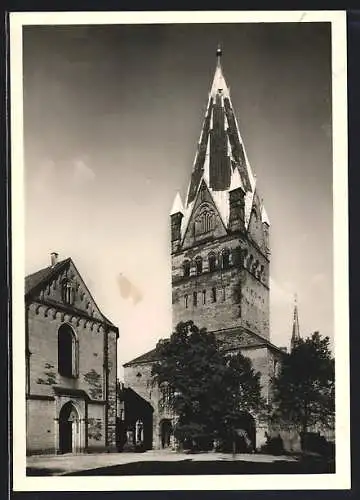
(295, 336)
(177, 205)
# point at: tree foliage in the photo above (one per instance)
(205, 388)
(304, 391)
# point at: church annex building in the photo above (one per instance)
(71, 364)
(220, 255)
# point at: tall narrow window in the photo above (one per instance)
(195, 299)
(199, 265)
(224, 294)
(68, 292)
(225, 258)
(186, 268)
(186, 301)
(68, 352)
(213, 294)
(204, 296)
(212, 262)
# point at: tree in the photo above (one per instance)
(205, 388)
(304, 391)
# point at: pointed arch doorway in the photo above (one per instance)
(69, 429)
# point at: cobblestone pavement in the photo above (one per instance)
(70, 463)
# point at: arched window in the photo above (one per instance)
(199, 265)
(213, 294)
(205, 221)
(250, 262)
(204, 296)
(225, 258)
(186, 268)
(195, 299)
(212, 262)
(68, 352)
(255, 266)
(68, 292)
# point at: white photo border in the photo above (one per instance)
(341, 479)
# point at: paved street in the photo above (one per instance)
(168, 462)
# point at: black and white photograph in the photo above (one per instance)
(179, 250)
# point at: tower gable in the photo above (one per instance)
(205, 222)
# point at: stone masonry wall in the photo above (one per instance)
(40, 426)
(42, 376)
(96, 427)
(242, 293)
(138, 377)
(43, 346)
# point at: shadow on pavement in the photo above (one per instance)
(188, 467)
(36, 471)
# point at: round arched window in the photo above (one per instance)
(199, 265)
(212, 262)
(186, 268)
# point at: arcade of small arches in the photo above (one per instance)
(222, 261)
(205, 296)
(73, 319)
(205, 221)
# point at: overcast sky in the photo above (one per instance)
(112, 116)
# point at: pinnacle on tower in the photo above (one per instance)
(295, 336)
(177, 205)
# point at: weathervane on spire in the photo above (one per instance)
(218, 54)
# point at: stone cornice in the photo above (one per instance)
(72, 311)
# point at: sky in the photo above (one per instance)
(112, 116)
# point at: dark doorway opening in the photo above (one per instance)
(136, 409)
(166, 431)
(68, 428)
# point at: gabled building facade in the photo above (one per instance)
(71, 364)
(220, 255)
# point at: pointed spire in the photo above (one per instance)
(295, 336)
(177, 205)
(221, 150)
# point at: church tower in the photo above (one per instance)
(220, 235)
